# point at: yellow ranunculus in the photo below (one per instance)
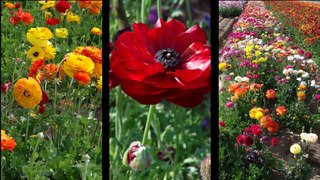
(97, 71)
(47, 4)
(27, 92)
(35, 53)
(295, 149)
(256, 113)
(73, 18)
(96, 31)
(77, 63)
(99, 84)
(39, 36)
(222, 66)
(62, 32)
(257, 53)
(49, 52)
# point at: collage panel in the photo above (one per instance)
(160, 83)
(51, 89)
(269, 94)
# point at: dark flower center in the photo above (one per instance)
(26, 93)
(169, 58)
(36, 54)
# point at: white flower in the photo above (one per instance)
(313, 83)
(238, 78)
(309, 137)
(290, 70)
(310, 61)
(305, 75)
(245, 79)
(295, 72)
(302, 83)
(285, 72)
(296, 56)
(299, 79)
(231, 74)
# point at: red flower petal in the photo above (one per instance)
(184, 40)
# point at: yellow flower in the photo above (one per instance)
(35, 53)
(301, 95)
(222, 66)
(77, 63)
(96, 31)
(73, 18)
(97, 71)
(27, 92)
(99, 84)
(9, 5)
(47, 4)
(39, 36)
(295, 149)
(256, 113)
(47, 15)
(257, 53)
(49, 52)
(234, 98)
(62, 32)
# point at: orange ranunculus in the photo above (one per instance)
(26, 18)
(302, 87)
(27, 92)
(85, 4)
(240, 92)
(271, 94)
(233, 88)
(7, 142)
(273, 127)
(234, 98)
(301, 95)
(82, 77)
(9, 5)
(265, 121)
(281, 111)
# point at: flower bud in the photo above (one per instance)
(205, 168)
(40, 135)
(137, 157)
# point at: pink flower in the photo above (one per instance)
(308, 55)
(230, 104)
(222, 124)
(274, 141)
(317, 97)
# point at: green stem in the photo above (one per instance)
(28, 119)
(143, 8)
(146, 130)
(159, 9)
(120, 14)
(189, 14)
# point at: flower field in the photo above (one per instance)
(231, 8)
(51, 83)
(159, 91)
(268, 85)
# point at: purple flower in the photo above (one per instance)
(264, 139)
(228, 78)
(153, 15)
(205, 124)
(230, 104)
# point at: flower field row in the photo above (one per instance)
(51, 74)
(231, 8)
(304, 16)
(267, 87)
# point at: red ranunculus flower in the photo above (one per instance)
(52, 21)
(164, 63)
(62, 6)
(256, 129)
(271, 94)
(274, 141)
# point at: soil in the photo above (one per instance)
(225, 28)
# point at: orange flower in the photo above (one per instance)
(271, 94)
(9, 5)
(281, 111)
(84, 4)
(265, 121)
(7, 142)
(234, 98)
(273, 127)
(301, 95)
(35, 67)
(302, 87)
(26, 18)
(50, 71)
(94, 53)
(233, 87)
(240, 92)
(82, 77)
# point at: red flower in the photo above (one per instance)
(281, 111)
(222, 124)
(6, 86)
(164, 63)
(62, 6)
(274, 141)
(256, 129)
(26, 18)
(82, 77)
(245, 140)
(14, 20)
(271, 94)
(35, 67)
(52, 21)
(113, 81)
(308, 55)
(17, 5)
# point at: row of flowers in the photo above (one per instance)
(304, 16)
(265, 79)
(231, 8)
